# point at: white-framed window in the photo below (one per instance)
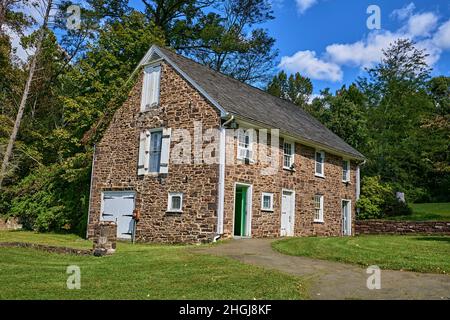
(155, 151)
(288, 154)
(320, 163)
(245, 144)
(150, 87)
(345, 170)
(267, 201)
(175, 202)
(318, 208)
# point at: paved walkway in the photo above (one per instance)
(334, 280)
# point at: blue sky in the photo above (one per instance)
(328, 40)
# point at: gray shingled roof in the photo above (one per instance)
(253, 104)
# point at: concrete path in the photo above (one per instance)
(334, 280)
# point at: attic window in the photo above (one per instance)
(150, 87)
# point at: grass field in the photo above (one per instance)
(413, 253)
(134, 272)
(427, 212)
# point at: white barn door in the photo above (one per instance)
(118, 206)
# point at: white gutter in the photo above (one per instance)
(221, 185)
(358, 179)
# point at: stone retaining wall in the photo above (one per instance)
(52, 249)
(401, 227)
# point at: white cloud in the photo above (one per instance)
(368, 51)
(303, 5)
(422, 24)
(442, 36)
(404, 12)
(362, 53)
(306, 62)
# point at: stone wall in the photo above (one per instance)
(116, 162)
(402, 227)
(10, 224)
(305, 184)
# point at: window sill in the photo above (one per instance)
(174, 211)
(267, 210)
(319, 221)
(250, 161)
(320, 176)
(289, 169)
(346, 181)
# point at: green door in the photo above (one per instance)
(240, 215)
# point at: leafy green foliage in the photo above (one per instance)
(294, 88)
(378, 200)
(44, 200)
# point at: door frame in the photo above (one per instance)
(102, 206)
(292, 192)
(248, 223)
(349, 221)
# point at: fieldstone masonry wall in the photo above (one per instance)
(181, 105)
(116, 162)
(305, 184)
(402, 227)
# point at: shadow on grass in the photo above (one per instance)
(436, 238)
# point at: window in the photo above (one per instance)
(245, 144)
(267, 201)
(175, 203)
(155, 151)
(289, 153)
(150, 87)
(345, 171)
(318, 208)
(320, 160)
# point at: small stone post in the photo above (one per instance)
(105, 238)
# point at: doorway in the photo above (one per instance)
(242, 211)
(346, 218)
(287, 213)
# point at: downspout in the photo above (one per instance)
(90, 190)
(221, 193)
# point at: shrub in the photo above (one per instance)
(378, 200)
(375, 197)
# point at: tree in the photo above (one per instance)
(26, 91)
(397, 103)
(295, 88)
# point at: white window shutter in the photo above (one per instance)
(145, 97)
(165, 151)
(156, 77)
(141, 162)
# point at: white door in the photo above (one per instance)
(346, 218)
(118, 206)
(287, 214)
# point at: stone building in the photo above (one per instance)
(194, 155)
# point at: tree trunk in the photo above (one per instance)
(26, 91)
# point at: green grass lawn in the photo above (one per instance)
(134, 272)
(427, 212)
(413, 253)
